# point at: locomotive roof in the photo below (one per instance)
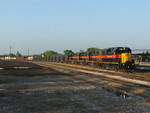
(113, 49)
(122, 48)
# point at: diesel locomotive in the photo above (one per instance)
(118, 58)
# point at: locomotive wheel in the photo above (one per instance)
(92, 64)
(72, 62)
(132, 70)
(122, 69)
(100, 65)
(75, 62)
(113, 67)
(116, 68)
(82, 63)
(103, 66)
(89, 64)
(97, 64)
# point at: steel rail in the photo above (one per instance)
(135, 81)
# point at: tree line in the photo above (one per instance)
(67, 52)
(49, 53)
(17, 54)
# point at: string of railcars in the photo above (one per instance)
(118, 58)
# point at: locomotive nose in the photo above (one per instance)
(125, 57)
(128, 65)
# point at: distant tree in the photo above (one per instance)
(40, 55)
(81, 50)
(92, 49)
(35, 55)
(49, 53)
(26, 55)
(147, 52)
(68, 52)
(6, 55)
(12, 55)
(18, 54)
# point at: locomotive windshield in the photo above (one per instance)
(122, 50)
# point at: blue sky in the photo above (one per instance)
(73, 24)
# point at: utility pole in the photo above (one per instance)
(28, 51)
(10, 49)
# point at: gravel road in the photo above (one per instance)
(70, 92)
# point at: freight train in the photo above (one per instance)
(118, 58)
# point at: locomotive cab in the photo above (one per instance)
(127, 61)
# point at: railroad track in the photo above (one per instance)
(135, 75)
(134, 78)
(120, 88)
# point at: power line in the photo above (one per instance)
(141, 50)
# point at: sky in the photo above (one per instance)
(58, 25)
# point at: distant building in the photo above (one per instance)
(142, 57)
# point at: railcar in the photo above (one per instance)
(54, 58)
(57, 58)
(64, 59)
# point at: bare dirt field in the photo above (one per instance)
(30, 88)
(19, 68)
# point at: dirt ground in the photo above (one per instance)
(26, 69)
(40, 89)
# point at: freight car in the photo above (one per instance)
(118, 58)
